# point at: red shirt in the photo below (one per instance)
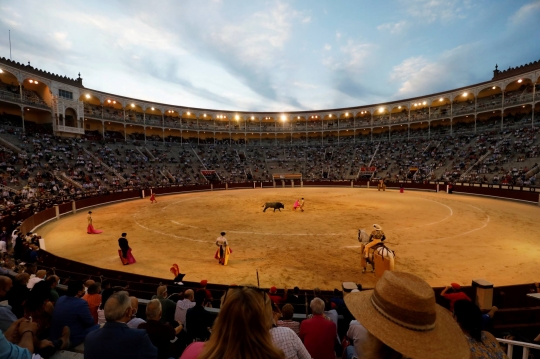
(275, 298)
(453, 297)
(318, 335)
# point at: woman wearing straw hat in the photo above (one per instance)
(404, 321)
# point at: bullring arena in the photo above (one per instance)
(442, 238)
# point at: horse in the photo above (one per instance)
(363, 237)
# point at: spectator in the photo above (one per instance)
(93, 297)
(182, 306)
(9, 325)
(425, 329)
(209, 298)
(6, 315)
(167, 306)
(241, 329)
(285, 338)
(294, 297)
(38, 307)
(33, 254)
(455, 296)
(40, 275)
(116, 340)
(134, 322)
(318, 333)
(287, 313)
(160, 334)
(481, 343)
(53, 281)
(198, 319)
(358, 335)
(101, 309)
(24, 330)
(18, 294)
(274, 297)
(72, 311)
(3, 247)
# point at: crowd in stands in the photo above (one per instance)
(39, 168)
(399, 318)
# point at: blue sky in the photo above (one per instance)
(272, 55)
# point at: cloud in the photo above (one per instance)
(525, 12)
(60, 41)
(417, 76)
(327, 47)
(433, 10)
(304, 85)
(393, 27)
(338, 35)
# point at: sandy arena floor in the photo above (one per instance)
(442, 238)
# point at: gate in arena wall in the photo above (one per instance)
(287, 179)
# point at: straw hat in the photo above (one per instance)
(402, 313)
(377, 227)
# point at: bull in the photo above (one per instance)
(274, 205)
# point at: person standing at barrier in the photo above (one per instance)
(90, 229)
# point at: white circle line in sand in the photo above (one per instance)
(167, 234)
(463, 233)
(432, 223)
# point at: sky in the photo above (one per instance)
(272, 55)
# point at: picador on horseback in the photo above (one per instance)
(374, 242)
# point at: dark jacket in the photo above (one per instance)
(117, 341)
(75, 313)
(198, 320)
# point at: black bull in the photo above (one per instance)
(274, 205)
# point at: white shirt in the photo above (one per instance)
(287, 340)
(358, 335)
(134, 323)
(3, 247)
(32, 282)
(221, 241)
(182, 307)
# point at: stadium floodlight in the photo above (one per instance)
(283, 118)
(520, 81)
(423, 103)
(330, 115)
(152, 108)
(441, 99)
(87, 96)
(30, 81)
(1, 71)
(132, 105)
(189, 113)
(465, 94)
(204, 115)
(347, 114)
(252, 117)
(493, 88)
(381, 110)
(399, 107)
(108, 101)
(236, 117)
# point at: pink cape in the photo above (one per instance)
(129, 260)
(91, 230)
(296, 204)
